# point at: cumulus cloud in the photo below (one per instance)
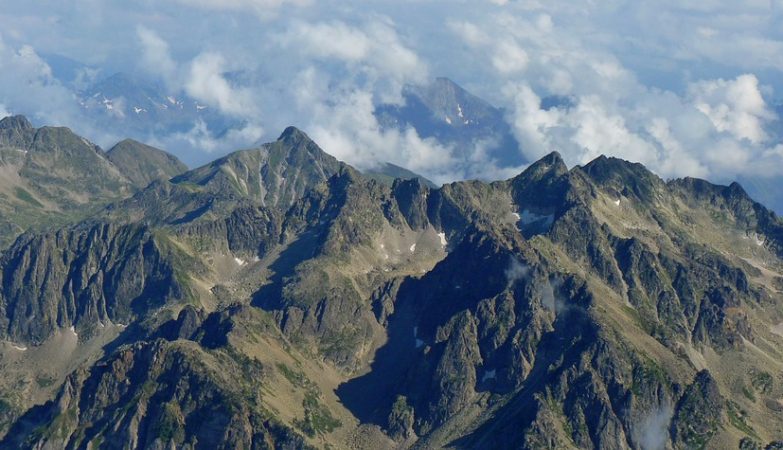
(28, 85)
(689, 94)
(735, 106)
(714, 128)
(156, 56)
(371, 54)
(348, 130)
(206, 82)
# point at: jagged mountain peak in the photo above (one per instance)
(624, 177)
(550, 165)
(17, 122)
(552, 310)
(293, 134)
(276, 173)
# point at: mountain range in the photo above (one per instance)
(128, 104)
(278, 298)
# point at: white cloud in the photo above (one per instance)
(264, 8)
(348, 130)
(371, 53)
(509, 57)
(206, 82)
(156, 57)
(658, 83)
(201, 139)
(716, 129)
(735, 106)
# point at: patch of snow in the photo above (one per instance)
(442, 237)
(240, 261)
(459, 111)
(489, 375)
(138, 110)
(758, 239)
(529, 218)
(19, 347)
(199, 107)
(100, 324)
(516, 215)
(413, 248)
(171, 100)
(122, 325)
(73, 330)
(256, 259)
(383, 246)
(448, 121)
(385, 256)
(617, 202)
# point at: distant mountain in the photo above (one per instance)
(132, 106)
(277, 298)
(445, 111)
(142, 164)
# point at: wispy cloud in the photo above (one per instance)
(686, 88)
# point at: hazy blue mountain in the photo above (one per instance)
(445, 111)
(133, 106)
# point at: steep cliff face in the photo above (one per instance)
(277, 298)
(156, 395)
(81, 277)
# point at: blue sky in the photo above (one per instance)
(685, 87)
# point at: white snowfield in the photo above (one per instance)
(442, 237)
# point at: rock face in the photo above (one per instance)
(143, 164)
(275, 174)
(50, 177)
(277, 298)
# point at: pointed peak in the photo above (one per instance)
(446, 82)
(551, 164)
(553, 159)
(294, 135)
(125, 143)
(18, 122)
